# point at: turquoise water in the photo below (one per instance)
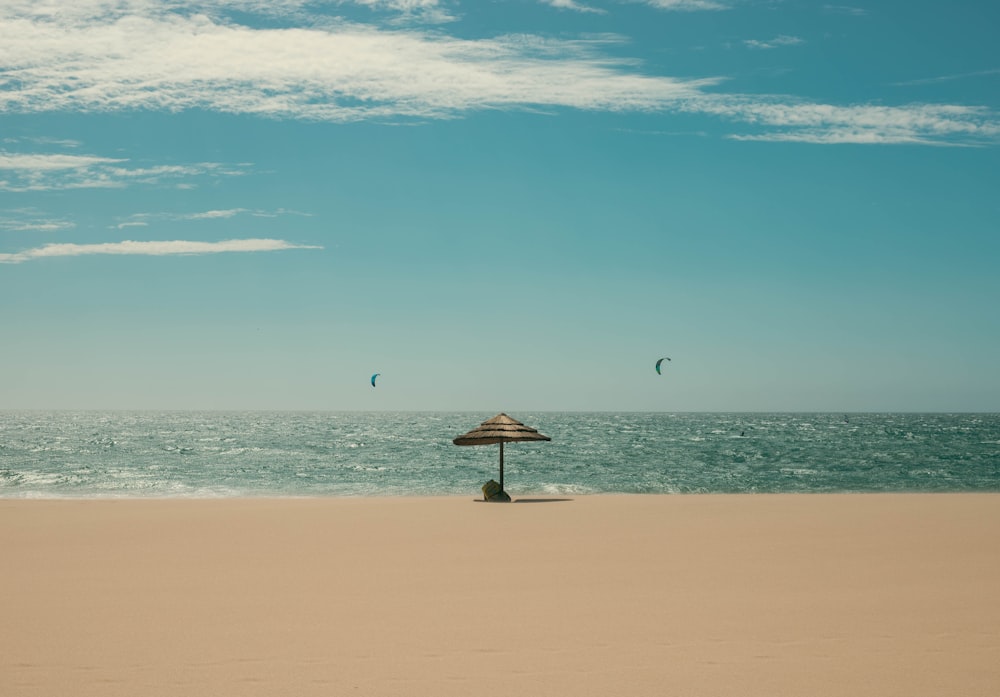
(226, 454)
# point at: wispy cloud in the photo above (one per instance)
(845, 10)
(145, 219)
(426, 11)
(688, 5)
(777, 41)
(574, 6)
(48, 171)
(31, 220)
(233, 212)
(151, 248)
(49, 162)
(947, 78)
(216, 215)
(924, 124)
(41, 140)
(149, 59)
(95, 56)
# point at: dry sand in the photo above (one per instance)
(599, 595)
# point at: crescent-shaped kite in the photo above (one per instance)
(658, 364)
(373, 378)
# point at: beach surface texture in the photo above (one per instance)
(694, 595)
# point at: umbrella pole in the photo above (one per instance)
(501, 466)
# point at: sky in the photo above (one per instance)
(500, 205)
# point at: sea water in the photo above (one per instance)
(65, 454)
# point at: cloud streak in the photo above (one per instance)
(168, 61)
(95, 56)
(20, 172)
(145, 219)
(574, 6)
(845, 10)
(923, 124)
(151, 248)
(30, 221)
(687, 5)
(777, 41)
(948, 78)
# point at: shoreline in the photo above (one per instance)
(837, 594)
(476, 497)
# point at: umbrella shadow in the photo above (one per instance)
(524, 501)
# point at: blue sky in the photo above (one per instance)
(521, 205)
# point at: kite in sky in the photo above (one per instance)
(657, 366)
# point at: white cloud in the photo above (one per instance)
(401, 5)
(213, 215)
(27, 220)
(42, 140)
(573, 5)
(48, 171)
(427, 11)
(115, 60)
(948, 78)
(782, 40)
(689, 5)
(169, 55)
(823, 123)
(846, 10)
(152, 248)
(144, 219)
(33, 162)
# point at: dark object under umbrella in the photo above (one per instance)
(500, 429)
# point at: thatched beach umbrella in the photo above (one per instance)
(500, 429)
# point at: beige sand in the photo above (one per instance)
(599, 595)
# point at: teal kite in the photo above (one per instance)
(658, 364)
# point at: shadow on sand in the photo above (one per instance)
(523, 501)
(539, 500)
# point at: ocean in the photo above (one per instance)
(89, 454)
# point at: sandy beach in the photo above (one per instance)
(804, 595)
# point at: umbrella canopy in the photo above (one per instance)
(500, 429)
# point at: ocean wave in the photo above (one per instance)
(204, 454)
